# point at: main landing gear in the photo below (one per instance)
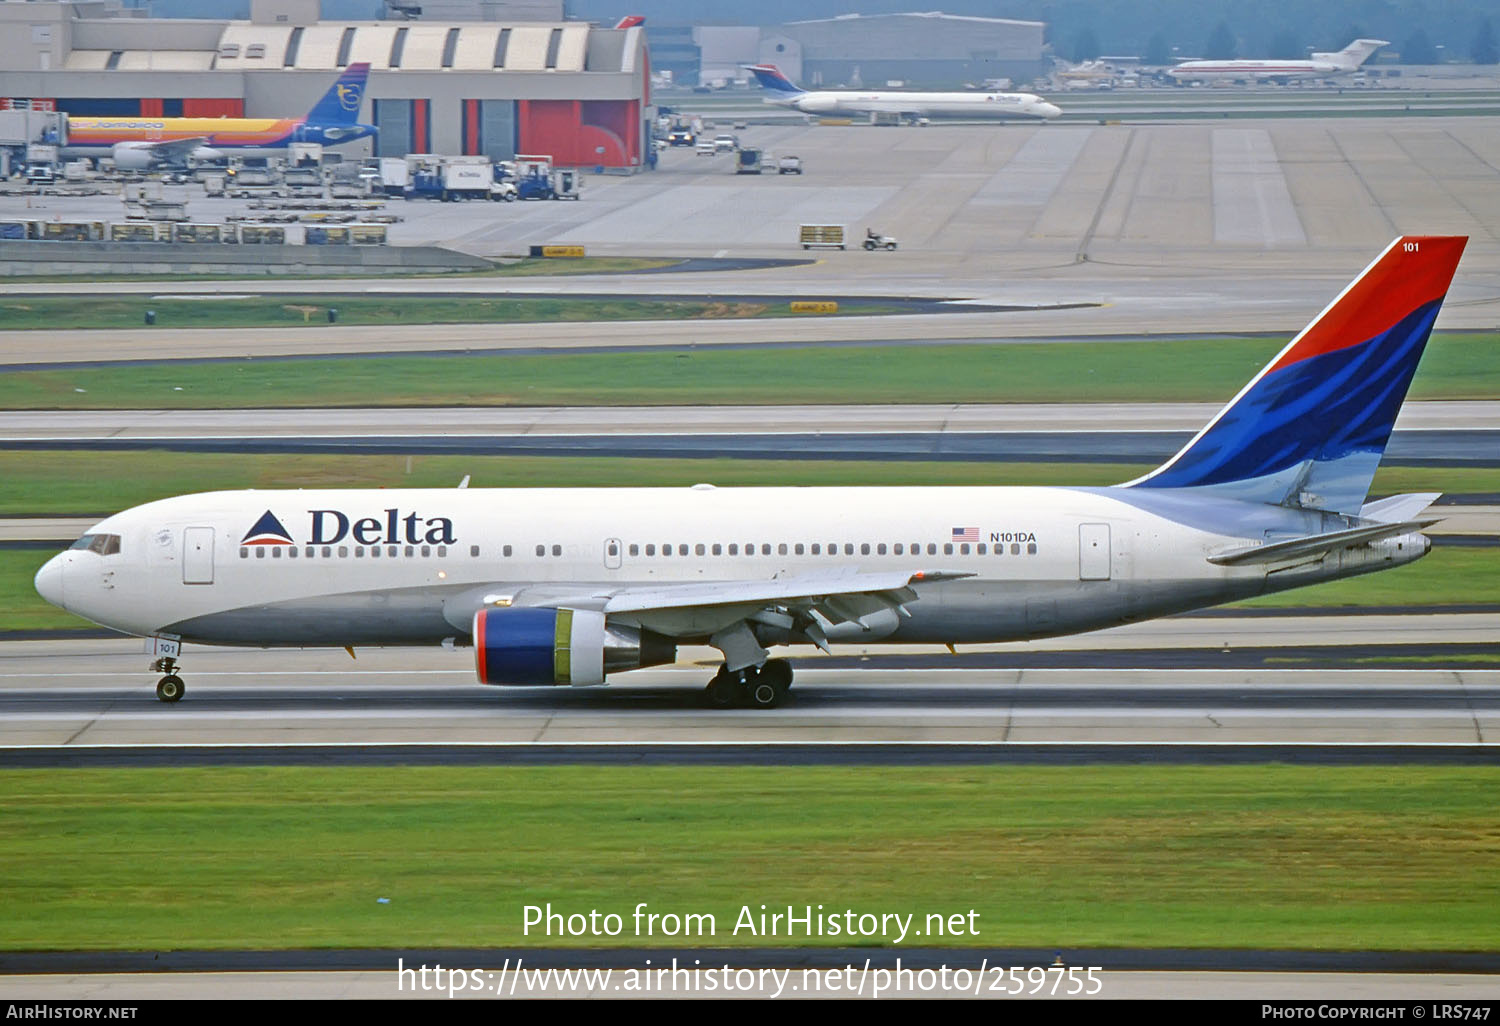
(759, 687)
(170, 688)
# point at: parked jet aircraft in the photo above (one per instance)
(1007, 106)
(566, 586)
(138, 143)
(1322, 65)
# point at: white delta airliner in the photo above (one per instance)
(567, 586)
(1003, 106)
(1321, 65)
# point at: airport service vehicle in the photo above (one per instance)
(705, 148)
(725, 144)
(557, 184)
(789, 166)
(748, 161)
(450, 179)
(394, 175)
(874, 240)
(1321, 65)
(681, 137)
(823, 236)
(781, 91)
(570, 586)
(141, 143)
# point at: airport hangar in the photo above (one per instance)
(862, 50)
(575, 91)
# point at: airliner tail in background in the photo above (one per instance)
(1353, 55)
(773, 80)
(340, 105)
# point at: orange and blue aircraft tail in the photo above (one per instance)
(339, 107)
(1309, 430)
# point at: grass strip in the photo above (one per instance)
(1326, 857)
(1454, 367)
(107, 312)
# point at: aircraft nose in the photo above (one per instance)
(1049, 110)
(49, 580)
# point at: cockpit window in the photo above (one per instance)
(104, 544)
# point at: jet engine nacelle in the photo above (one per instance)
(132, 156)
(818, 104)
(559, 646)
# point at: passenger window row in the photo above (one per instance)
(819, 549)
(343, 551)
(636, 549)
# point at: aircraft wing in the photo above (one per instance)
(707, 607)
(1316, 544)
(835, 591)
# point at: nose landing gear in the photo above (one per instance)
(170, 688)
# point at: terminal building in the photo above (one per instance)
(577, 92)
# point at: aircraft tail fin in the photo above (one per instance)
(1310, 428)
(1359, 51)
(773, 80)
(340, 105)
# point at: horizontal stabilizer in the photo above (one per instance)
(1316, 544)
(1398, 507)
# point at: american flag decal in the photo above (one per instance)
(966, 534)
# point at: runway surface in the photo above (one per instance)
(1429, 448)
(97, 693)
(490, 421)
(970, 201)
(1143, 222)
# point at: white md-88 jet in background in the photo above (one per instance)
(566, 586)
(997, 106)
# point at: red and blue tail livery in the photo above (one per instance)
(1309, 430)
(773, 78)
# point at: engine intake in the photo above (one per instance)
(560, 646)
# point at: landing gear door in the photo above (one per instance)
(1093, 552)
(198, 555)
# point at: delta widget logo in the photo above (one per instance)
(267, 531)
